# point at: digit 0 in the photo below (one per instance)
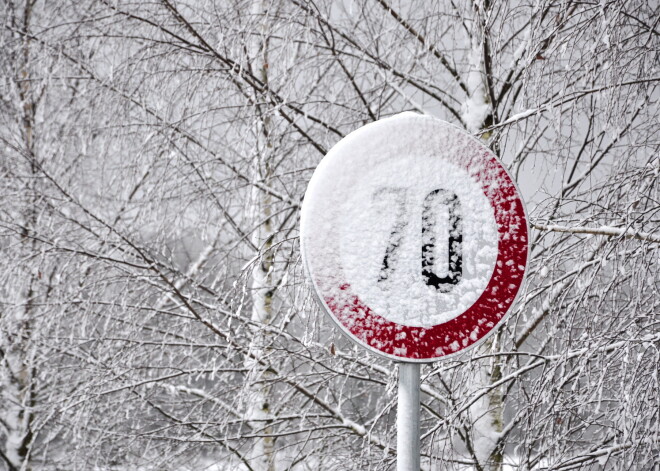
(444, 284)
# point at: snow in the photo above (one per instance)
(602, 230)
(476, 108)
(365, 197)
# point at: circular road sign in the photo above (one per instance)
(414, 237)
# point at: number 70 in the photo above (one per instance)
(435, 198)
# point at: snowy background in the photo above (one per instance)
(153, 159)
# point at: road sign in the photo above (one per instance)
(414, 237)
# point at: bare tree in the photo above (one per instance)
(154, 160)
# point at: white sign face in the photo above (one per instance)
(393, 223)
(415, 237)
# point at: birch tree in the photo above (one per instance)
(18, 325)
(154, 159)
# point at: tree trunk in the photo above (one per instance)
(259, 407)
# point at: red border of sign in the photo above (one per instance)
(419, 344)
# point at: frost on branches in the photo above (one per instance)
(153, 162)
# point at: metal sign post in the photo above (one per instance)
(407, 418)
(414, 238)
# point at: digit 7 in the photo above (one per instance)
(396, 236)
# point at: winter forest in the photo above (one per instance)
(154, 313)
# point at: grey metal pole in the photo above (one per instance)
(407, 419)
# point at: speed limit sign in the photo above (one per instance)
(414, 237)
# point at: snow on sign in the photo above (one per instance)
(414, 237)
